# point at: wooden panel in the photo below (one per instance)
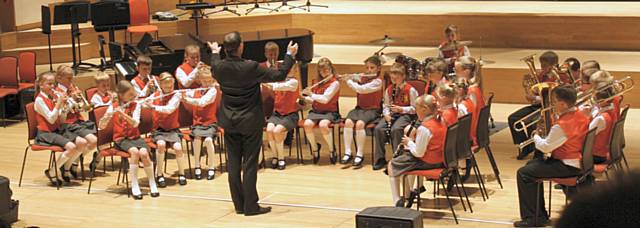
(7, 16)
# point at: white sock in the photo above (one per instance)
(361, 135)
(152, 179)
(62, 160)
(348, 139)
(211, 151)
(67, 165)
(160, 163)
(329, 139)
(133, 175)
(395, 188)
(280, 150)
(273, 148)
(197, 146)
(408, 185)
(180, 161)
(312, 140)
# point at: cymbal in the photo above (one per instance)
(385, 40)
(456, 45)
(392, 55)
(486, 62)
(389, 57)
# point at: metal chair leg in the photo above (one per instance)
(446, 193)
(24, 160)
(463, 191)
(494, 165)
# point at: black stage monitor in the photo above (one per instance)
(110, 13)
(63, 12)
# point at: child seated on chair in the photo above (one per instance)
(103, 95)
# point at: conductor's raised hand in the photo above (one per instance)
(215, 47)
(292, 48)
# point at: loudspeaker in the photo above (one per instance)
(8, 207)
(46, 19)
(388, 217)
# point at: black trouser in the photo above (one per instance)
(527, 185)
(243, 156)
(397, 132)
(521, 136)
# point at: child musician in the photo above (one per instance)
(205, 106)
(324, 109)
(50, 116)
(446, 97)
(466, 67)
(450, 56)
(167, 134)
(425, 151)
(601, 79)
(368, 108)
(144, 83)
(564, 143)
(436, 73)
(103, 95)
(547, 61)
(284, 117)
(76, 127)
(271, 51)
(603, 120)
(126, 117)
(586, 70)
(398, 111)
(186, 73)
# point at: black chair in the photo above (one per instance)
(623, 117)
(483, 140)
(464, 152)
(489, 102)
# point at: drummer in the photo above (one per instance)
(451, 49)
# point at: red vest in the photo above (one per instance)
(435, 149)
(72, 116)
(163, 120)
(575, 125)
(43, 125)
(139, 81)
(370, 101)
(450, 116)
(104, 99)
(332, 105)
(187, 70)
(474, 117)
(475, 90)
(616, 108)
(121, 128)
(601, 145)
(285, 102)
(206, 116)
(403, 96)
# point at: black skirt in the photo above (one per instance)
(407, 162)
(366, 116)
(204, 131)
(169, 136)
(289, 121)
(55, 138)
(126, 144)
(79, 128)
(316, 117)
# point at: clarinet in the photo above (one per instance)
(387, 131)
(401, 148)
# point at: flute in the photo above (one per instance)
(150, 98)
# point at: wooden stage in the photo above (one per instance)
(302, 195)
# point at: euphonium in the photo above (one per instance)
(531, 79)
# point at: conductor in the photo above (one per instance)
(241, 115)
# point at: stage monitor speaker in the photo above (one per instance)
(388, 217)
(8, 207)
(46, 19)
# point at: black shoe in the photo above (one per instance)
(161, 182)
(316, 154)
(57, 181)
(380, 164)
(357, 162)
(94, 164)
(239, 212)
(282, 165)
(74, 171)
(274, 163)
(522, 156)
(211, 173)
(530, 223)
(414, 195)
(345, 159)
(333, 157)
(198, 173)
(154, 194)
(261, 210)
(64, 177)
(182, 180)
(136, 197)
(400, 202)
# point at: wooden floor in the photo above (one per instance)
(302, 195)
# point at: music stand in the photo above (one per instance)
(284, 4)
(255, 7)
(308, 5)
(73, 13)
(224, 9)
(114, 15)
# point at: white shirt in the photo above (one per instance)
(423, 136)
(289, 85)
(96, 100)
(413, 94)
(142, 92)
(51, 116)
(171, 106)
(598, 122)
(448, 60)
(328, 94)
(208, 98)
(102, 123)
(186, 79)
(554, 140)
(462, 110)
(370, 87)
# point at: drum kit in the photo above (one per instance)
(414, 68)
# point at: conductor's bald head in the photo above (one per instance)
(233, 44)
